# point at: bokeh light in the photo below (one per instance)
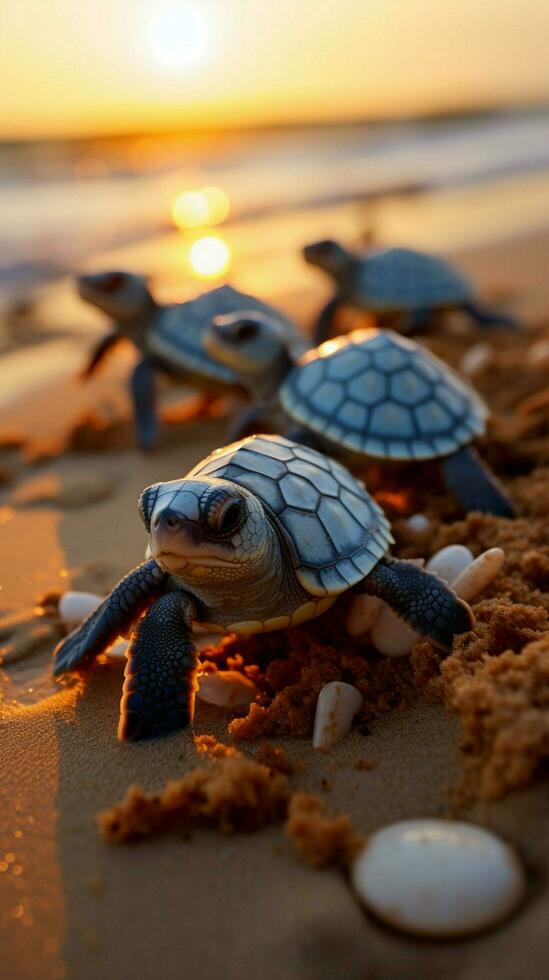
(190, 209)
(209, 257)
(218, 204)
(208, 206)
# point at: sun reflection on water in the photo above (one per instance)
(209, 257)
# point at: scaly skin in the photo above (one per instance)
(126, 603)
(159, 688)
(421, 599)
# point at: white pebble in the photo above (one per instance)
(337, 705)
(361, 615)
(537, 354)
(75, 607)
(478, 575)
(418, 523)
(449, 562)
(438, 878)
(476, 359)
(391, 636)
(226, 689)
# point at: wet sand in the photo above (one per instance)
(73, 906)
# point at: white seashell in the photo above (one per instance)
(418, 523)
(75, 607)
(438, 877)
(537, 354)
(478, 575)
(119, 650)
(449, 562)
(361, 615)
(226, 689)
(476, 359)
(337, 705)
(391, 636)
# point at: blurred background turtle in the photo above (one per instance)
(397, 283)
(168, 338)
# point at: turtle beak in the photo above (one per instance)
(99, 352)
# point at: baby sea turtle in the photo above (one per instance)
(261, 535)
(168, 337)
(371, 392)
(395, 281)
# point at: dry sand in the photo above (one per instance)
(73, 906)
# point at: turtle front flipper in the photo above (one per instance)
(474, 485)
(247, 421)
(325, 320)
(100, 351)
(159, 684)
(491, 319)
(421, 599)
(143, 389)
(126, 603)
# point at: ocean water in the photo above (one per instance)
(433, 185)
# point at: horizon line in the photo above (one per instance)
(219, 129)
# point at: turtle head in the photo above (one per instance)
(207, 532)
(124, 296)
(253, 345)
(329, 256)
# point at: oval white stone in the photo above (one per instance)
(391, 636)
(478, 575)
(74, 607)
(361, 615)
(537, 354)
(226, 689)
(438, 877)
(337, 705)
(418, 523)
(449, 562)
(476, 359)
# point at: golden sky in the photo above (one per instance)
(72, 67)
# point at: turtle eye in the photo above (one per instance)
(111, 281)
(244, 330)
(223, 513)
(147, 501)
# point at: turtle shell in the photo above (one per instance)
(334, 531)
(177, 332)
(400, 279)
(381, 394)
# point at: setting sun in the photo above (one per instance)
(177, 37)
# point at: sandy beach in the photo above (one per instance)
(76, 907)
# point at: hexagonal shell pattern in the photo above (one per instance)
(385, 396)
(334, 532)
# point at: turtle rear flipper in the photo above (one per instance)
(326, 319)
(490, 318)
(127, 601)
(474, 485)
(421, 599)
(159, 688)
